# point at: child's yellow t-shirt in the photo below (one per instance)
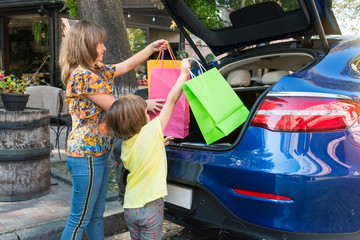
(144, 156)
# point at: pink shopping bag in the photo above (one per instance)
(162, 80)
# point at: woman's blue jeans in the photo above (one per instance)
(90, 180)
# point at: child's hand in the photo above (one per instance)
(154, 105)
(185, 66)
(167, 140)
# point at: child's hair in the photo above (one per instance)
(79, 47)
(126, 116)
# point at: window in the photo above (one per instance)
(215, 14)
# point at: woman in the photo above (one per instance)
(88, 90)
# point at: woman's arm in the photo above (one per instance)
(102, 100)
(174, 95)
(138, 58)
(106, 100)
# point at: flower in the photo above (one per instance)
(13, 85)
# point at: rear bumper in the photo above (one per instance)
(209, 214)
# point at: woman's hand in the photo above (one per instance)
(167, 140)
(154, 105)
(159, 45)
(138, 58)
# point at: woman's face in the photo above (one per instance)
(100, 48)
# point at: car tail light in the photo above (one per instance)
(306, 114)
(262, 195)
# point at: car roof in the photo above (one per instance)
(258, 23)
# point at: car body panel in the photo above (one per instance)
(319, 171)
(302, 173)
(325, 76)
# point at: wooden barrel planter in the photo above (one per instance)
(25, 171)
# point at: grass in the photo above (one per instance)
(112, 186)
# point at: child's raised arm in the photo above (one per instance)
(174, 95)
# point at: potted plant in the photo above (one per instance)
(40, 32)
(12, 91)
(182, 54)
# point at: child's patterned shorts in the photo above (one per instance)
(146, 222)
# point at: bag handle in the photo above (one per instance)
(202, 68)
(173, 58)
(172, 55)
(169, 49)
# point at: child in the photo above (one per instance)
(143, 154)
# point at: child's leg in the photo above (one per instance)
(131, 219)
(153, 225)
(147, 222)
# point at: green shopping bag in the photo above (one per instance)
(216, 107)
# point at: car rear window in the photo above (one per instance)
(236, 13)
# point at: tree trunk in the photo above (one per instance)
(109, 14)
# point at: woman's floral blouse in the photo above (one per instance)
(88, 133)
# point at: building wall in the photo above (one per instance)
(142, 13)
(170, 36)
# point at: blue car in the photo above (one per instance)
(292, 170)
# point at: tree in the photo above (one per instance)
(137, 38)
(346, 12)
(109, 14)
(208, 11)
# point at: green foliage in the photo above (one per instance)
(112, 185)
(209, 11)
(23, 57)
(40, 32)
(347, 15)
(157, 4)
(286, 5)
(137, 39)
(209, 57)
(11, 84)
(181, 54)
(71, 5)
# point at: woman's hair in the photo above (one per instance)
(126, 116)
(79, 48)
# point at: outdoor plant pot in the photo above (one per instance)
(14, 102)
(24, 154)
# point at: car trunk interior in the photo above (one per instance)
(249, 78)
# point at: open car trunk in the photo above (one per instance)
(264, 70)
(255, 35)
(259, 22)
